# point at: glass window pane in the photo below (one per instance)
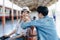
(7, 10)
(0, 9)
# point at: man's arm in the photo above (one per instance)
(25, 25)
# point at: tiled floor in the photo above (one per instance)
(9, 26)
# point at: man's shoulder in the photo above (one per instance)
(50, 18)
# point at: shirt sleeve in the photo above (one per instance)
(25, 25)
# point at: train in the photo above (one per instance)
(8, 9)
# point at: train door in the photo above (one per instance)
(10, 14)
(14, 13)
(7, 13)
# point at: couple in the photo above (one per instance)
(44, 25)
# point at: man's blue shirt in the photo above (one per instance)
(45, 28)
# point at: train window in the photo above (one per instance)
(7, 10)
(14, 11)
(19, 13)
(0, 9)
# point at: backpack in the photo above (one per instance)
(31, 33)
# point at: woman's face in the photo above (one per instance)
(25, 15)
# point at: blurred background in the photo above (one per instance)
(10, 12)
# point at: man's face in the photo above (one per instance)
(40, 15)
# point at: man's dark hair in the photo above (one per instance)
(43, 10)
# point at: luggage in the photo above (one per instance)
(31, 33)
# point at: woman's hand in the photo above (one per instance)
(26, 18)
(6, 35)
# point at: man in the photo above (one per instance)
(18, 30)
(44, 25)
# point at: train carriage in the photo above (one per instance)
(8, 9)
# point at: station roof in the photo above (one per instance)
(8, 4)
(33, 4)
